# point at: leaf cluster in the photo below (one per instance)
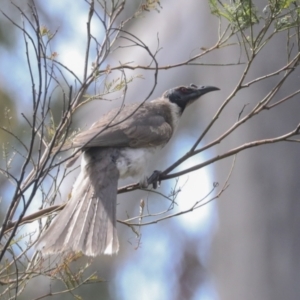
(241, 14)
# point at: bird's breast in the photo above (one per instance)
(134, 162)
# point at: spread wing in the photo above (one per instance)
(134, 126)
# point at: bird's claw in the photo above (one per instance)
(154, 179)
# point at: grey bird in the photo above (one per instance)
(119, 145)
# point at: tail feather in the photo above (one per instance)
(88, 222)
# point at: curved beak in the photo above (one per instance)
(206, 89)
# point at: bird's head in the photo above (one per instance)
(185, 95)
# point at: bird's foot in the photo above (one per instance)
(154, 179)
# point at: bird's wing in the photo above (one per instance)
(134, 127)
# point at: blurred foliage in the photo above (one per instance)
(7, 34)
(242, 14)
(7, 114)
(151, 4)
(7, 105)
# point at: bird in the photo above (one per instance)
(119, 145)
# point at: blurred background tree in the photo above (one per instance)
(63, 65)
